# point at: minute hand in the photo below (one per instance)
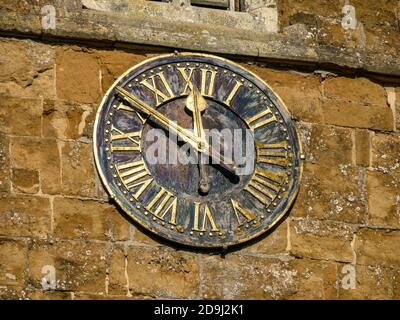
(199, 144)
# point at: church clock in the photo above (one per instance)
(219, 200)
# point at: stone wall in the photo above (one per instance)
(55, 214)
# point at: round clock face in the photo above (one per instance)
(197, 149)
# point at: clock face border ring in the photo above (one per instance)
(255, 79)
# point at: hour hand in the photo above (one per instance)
(196, 104)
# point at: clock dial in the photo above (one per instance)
(197, 150)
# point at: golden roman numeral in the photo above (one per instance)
(207, 216)
(273, 153)
(264, 185)
(235, 89)
(157, 92)
(131, 172)
(133, 137)
(162, 203)
(124, 107)
(256, 121)
(187, 77)
(240, 211)
(204, 75)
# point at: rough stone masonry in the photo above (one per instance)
(62, 238)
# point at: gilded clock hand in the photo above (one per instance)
(196, 103)
(186, 135)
